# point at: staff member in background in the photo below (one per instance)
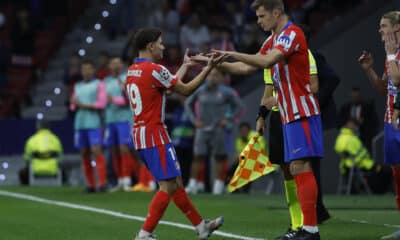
(43, 151)
(352, 152)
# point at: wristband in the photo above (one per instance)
(263, 112)
(391, 57)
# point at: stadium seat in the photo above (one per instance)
(44, 179)
(354, 176)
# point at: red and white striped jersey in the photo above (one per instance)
(146, 85)
(291, 76)
(391, 92)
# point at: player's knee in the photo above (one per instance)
(124, 149)
(299, 166)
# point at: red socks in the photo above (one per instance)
(88, 171)
(307, 192)
(156, 210)
(101, 169)
(183, 202)
(126, 165)
(117, 165)
(396, 180)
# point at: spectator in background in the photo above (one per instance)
(167, 19)
(102, 65)
(213, 101)
(23, 40)
(364, 112)
(43, 152)
(194, 35)
(4, 63)
(72, 72)
(173, 59)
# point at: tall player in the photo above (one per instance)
(88, 99)
(389, 29)
(147, 83)
(299, 110)
(117, 118)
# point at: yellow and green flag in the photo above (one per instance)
(253, 163)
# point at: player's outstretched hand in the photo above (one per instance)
(366, 61)
(188, 60)
(215, 59)
(200, 58)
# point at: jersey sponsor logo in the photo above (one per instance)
(134, 73)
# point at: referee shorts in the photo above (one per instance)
(275, 141)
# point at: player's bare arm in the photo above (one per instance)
(391, 47)
(185, 65)
(265, 101)
(236, 68)
(314, 84)
(188, 88)
(255, 60)
(366, 62)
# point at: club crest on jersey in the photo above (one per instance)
(285, 40)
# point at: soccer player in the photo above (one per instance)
(117, 118)
(213, 99)
(299, 110)
(389, 29)
(276, 145)
(88, 99)
(147, 83)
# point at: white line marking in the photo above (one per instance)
(112, 213)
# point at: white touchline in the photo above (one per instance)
(113, 213)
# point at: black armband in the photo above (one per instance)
(397, 101)
(263, 112)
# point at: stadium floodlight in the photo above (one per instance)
(105, 13)
(39, 116)
(5, 165)
(97, 26)
(57, 90)
(2, 177)
(48, 103)
(82, 52)
(113, 2)
(89, 39)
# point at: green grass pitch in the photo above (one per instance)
(355, 217)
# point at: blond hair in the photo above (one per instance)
(393, 16)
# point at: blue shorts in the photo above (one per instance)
(303, 139)
(117, 134)
(88, 138)
(161, 161)
(391, 145)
